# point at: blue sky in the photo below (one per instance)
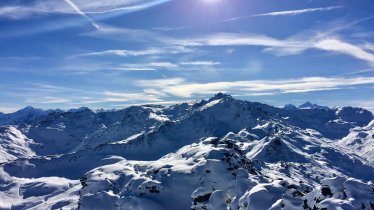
(112, 54)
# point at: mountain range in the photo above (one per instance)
(220, 153)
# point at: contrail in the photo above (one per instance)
(76, 8)
(298, 12)
(279, 13)
(283, 13)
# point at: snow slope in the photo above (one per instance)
(14, 145)
(360, 141)
(220, 153)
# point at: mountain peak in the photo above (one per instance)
(290, 107)
(309, 105)
(29, 109)
(221, 95)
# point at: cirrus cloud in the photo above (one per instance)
(180, 88)
(21, 10)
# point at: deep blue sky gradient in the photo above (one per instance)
(55, 59)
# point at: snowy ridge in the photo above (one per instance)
(360, 141)
(14, 145)
(25, 115)
(220, 153)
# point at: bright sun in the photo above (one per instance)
(211, 1)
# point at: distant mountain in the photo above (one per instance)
(290, 107)
(25, 115)
(308, 105)
(220, 153)
(81, 109)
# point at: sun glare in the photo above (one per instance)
(212, 1)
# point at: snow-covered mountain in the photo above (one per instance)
(25, 115)
(360, 141)
(220, 153)
(14, 145)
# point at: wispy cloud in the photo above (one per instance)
(91, 10)
(135, 35)
(107, 66)
(83, 7)
(236, 39)
(79, 66)
(172, 90)
(119, 6)
(298, 12)
(123, 97)
(48, 100)
(8, 109)
(361, 72)
(124, 53)
(171, 28)
(115, 97)
(182, 88)
(363, 34)
(368, 46)
(161, 83)
(107, 97)
(51, 95)
(166, 102)
(283, 47)
(200, 63)
(335, 45)
(326, 39)
(145, 52)
(147, 66)
(20, 12)
(42, 87)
